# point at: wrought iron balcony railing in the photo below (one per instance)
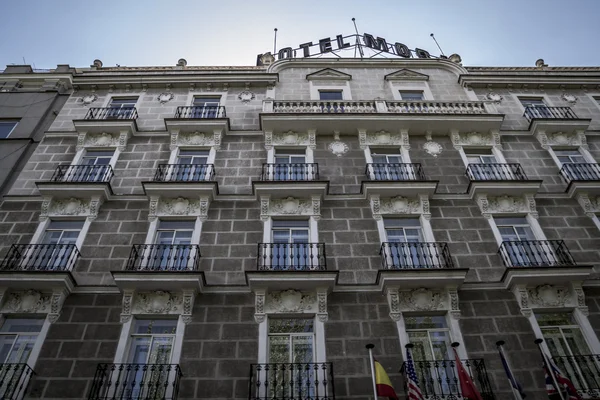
(164, 257)
(436, 107)
(14, 380)
(415, 255)
(580, 172)
(291, 257)
(184, 173)
(394, 172)
(324, 107)
(536, 253)
(40, 257)
(496, 172)
(290, 172)
(112, 113)
(583, 371)
(438, 379)
(287, 381)
(82, 174)
(532, 113)
(136, 382)
(200, 112)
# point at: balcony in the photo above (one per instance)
(39, 266)
(390, 179)
(438, 379)
(291, 265)
(281, 179)
(418, 264)
(81, 180)
(14, 380)
(539, 261)
(499, 179)
(287, 381)
(186, 180)
(136, 382)
(198, 119)
(374, 115)
(113, 120)
(161, 267)
(583, 371)
(581, 178)
(550, 120)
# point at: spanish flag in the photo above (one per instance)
(383, 383)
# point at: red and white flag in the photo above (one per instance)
(467, 387)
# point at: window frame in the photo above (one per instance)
(9, 121)
(421, 86)
(40, 231)
(517, 98)
(39, 341)
(315, 88)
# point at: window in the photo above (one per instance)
(122, 107)
(172, 250)
(412, 95)
(405, 248)
(403, 230)
(206, 107)
(481, 166)
(192, 166)
(330, 95)
(290, 165)
(96, 169)
(62, 232)
(291, 340)
(570, 157)
(532, 102)
(17, 338)
(535, 107)
(6, 127)
(388, 166)
(430, 336)
(57, 249)
(291, 247)
(519, 245)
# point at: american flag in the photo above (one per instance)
(412, 384)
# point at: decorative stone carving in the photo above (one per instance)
(291, 138)
(178, 206)
(383, 138)
(290, 206)
(591, 207)
(548, 296)
(291, 301)
(400, 205)
(522, 296)
(569, 98)
(494, 97)
(475, 139)
(158, 302)
(246, 96)
(29, 301)
(259, 306)
(506, 204)
(89, 99)
(338, 148)
(188, 305)
(102, 140)
(562, 139)
(195, 138)
(433, 148)
(454, 304)
(322, 306)
(70, 206)
(56, 301)
(421, 299)
(126, 306)
(394, 304)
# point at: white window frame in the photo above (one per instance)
(43, 225)
(538, 233)
(15, 122)
(81, 153)
(190, 97)
(495, 151)
(313, 229)
(582, 150)
(542, 96)
(425, 226)
(154, 224)
(422, 86)
(39, 341)
(316, 87)
(308, 153)
(109, 98)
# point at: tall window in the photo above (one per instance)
(6, 127)
(404, 236)
(412, 95)
(537, 102)
(122, 107)
(388, 166)
(430, 336)
(330, 95)
(206, 107)
(62, 232)
(291, 248)
(57, 247)
(17, 338)
(517, 246)
(535, 107)
(479, 170)
(192, 165)
(172, 239)
(97, 161)
(290, 165)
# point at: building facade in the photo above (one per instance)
(243, 232)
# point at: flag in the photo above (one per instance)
(566, 386)
(509, 374)
(383, 383)
(412, 382)
(467, 387)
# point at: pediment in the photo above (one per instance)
(329, 74)
(406, 75)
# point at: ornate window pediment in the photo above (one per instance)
(406, 75)
(576, 139)
(476, 139)
(180, 206)
(104, 139)
(196, 139)
(70, 207)
(290, 206)
(328, 74)
(383, 138)
(290, 302)
(33, 302)
(490, 206)
(291, 138)
(422, 299)
(400, 205)
(550, 297)
(591, 206)
(158, 302)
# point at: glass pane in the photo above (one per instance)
(555, 319)
(22, 349)
(302, 349)
(511, 221)
(330, 95)
(576, 341)
(290, 325)
(422, 349)
(395, 235)
(411, 95)
(279, 349)
(281, 236)
(165, 224)
(440, 343)
(140, 347)
(149, 326)
(65, 224)
(165, 237)
(22, 325)
(290, 223)
(508, 233)
(6, 128)
(6, 344)
(194, 153)
(160, 353)
(427, 322)
(401, 222)
(299, 236)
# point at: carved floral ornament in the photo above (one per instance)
(383, 138)
(577, 139)
(53, 207)
(290, 206)
(33, 302)
(550, 296)
(399, 205)
(494, 97)
(165, 97)
(590, 206)
(422, 299)
(291, 138)
(158, 302)
(433, 148)
(196, 139)
(507, 205)
(104, 139)
(291, 302)
(246, 96)
(569, 98)
(476, 139)
(89, 99)
(179, 206)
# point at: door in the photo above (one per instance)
(96, 166)
(388, 166)
(535, 107)
(290, 165)
(331, 101)
(17, 339)
(122, 107)
(149, 373)
(192, 166)
(483, 167)
(575, 165)
(432, 354)
(514, 231)
(291, 248)
(55, 252)
(206, 107)
(406, 248)
(291, 356)
(172, 250)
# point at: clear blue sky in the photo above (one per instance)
(233, 32)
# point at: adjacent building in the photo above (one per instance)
(243, 232)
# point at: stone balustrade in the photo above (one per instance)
(436, 107)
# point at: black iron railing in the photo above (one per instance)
(82, 173)
(200, 112)
(290, 172)
(580, 172)
(536, 253)
(291, 257)
(394, 172)
(164, 257)
(136, 382)
(583, 371)
(184, 173)
(438, 380)
(112, 113)
(40, 257)
(14, 380)
(291, 381)
(412, 255)
(532, 112)
(495, 172)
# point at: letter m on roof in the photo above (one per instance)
(378, 44)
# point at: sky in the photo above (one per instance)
(45, 33)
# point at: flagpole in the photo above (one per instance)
(500, 344)
(549, 368)
(372, 361)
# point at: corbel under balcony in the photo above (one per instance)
(273, 279)
(188, 188)
(283, 188)
(391, 188)
(545, 275)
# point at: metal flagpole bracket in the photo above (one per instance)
(455, 344)
(370, 346)
(409, 346)
(500, 343)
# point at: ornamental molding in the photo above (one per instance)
(338, 148)
(591, 207)
(34, 302)
(399, 205)
(476, 139)
(291, 301)
(422, 299)
(89, 99)
(569, 98)
(576, 139)
(291, 138)
(246, 96)
(290, 206)
(547, 296)
(103, 139)
(507, 205)
(165, 97)
(494, 97)
(328, 74)
(78, 207)
(383, 138)
(157, 302)
(433, 148)
(406, 75)
(179, 206)
(196, 139)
